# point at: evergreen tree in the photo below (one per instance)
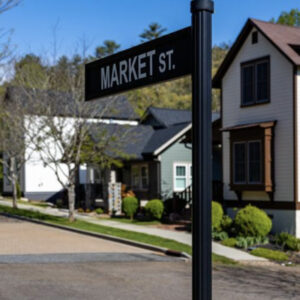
(109, 47)
(154, 31)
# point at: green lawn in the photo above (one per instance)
(39, 204)
(134, 222)
(134, 236)
(270, 254)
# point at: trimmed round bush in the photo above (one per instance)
(154, 209)
(99, 211)
(130, 206)
(252, 221)
(226, 223)
(217, 215)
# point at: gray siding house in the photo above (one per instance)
(160, 155)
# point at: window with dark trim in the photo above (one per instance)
(255, 82)
(140, 176)
(252, 158)
(254, 37)
(247, 162)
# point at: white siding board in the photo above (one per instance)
(280, 108)
(298, 129)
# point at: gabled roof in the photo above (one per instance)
(166, 117)
(141, 140)
(285, 38)
(62, 104)
(129, 140)
(162, 138)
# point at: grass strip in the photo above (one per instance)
(125, 234)
(270, 254)
(133, 222)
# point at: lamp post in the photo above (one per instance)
(202, 11)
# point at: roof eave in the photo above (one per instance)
(217, 80)
(171, 141)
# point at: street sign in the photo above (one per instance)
(184, 52)
(165, 58)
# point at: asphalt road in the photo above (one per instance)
(122, 273)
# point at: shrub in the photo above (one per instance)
(287, 241)
(217, 215)
(155, 208)
(130, 206)
(231, 242)
(252, 221)
(219, 236)
(226, 223)
(270, 254)
(99, 211)
(246, 242)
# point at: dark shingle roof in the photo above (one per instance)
(62, 104)
(166, 117)
(137, 141)
(162, 136)
(130, 140)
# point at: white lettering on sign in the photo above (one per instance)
(150, 54)
(105, 78)
(135, 68)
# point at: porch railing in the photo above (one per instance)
(186, 195)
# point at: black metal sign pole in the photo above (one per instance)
(202, 266)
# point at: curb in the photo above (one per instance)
(165, 251)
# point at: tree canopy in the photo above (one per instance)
(154, 31)
(291, 18)
(109, 47)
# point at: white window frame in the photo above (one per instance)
(139, 167)
(188, 175)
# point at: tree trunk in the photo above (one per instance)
(15, 193)
(13, 182)
(71, 201)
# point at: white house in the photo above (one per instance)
(37, 181)
(260, 81)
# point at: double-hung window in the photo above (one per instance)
(140, 176)
(182, 176)
(247, 162)
(255, 82)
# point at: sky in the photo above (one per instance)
(57, 27)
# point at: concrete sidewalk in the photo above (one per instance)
(182, 237)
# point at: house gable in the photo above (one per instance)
(286, 39)
(280, 108)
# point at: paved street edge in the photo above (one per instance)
(106, 237)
